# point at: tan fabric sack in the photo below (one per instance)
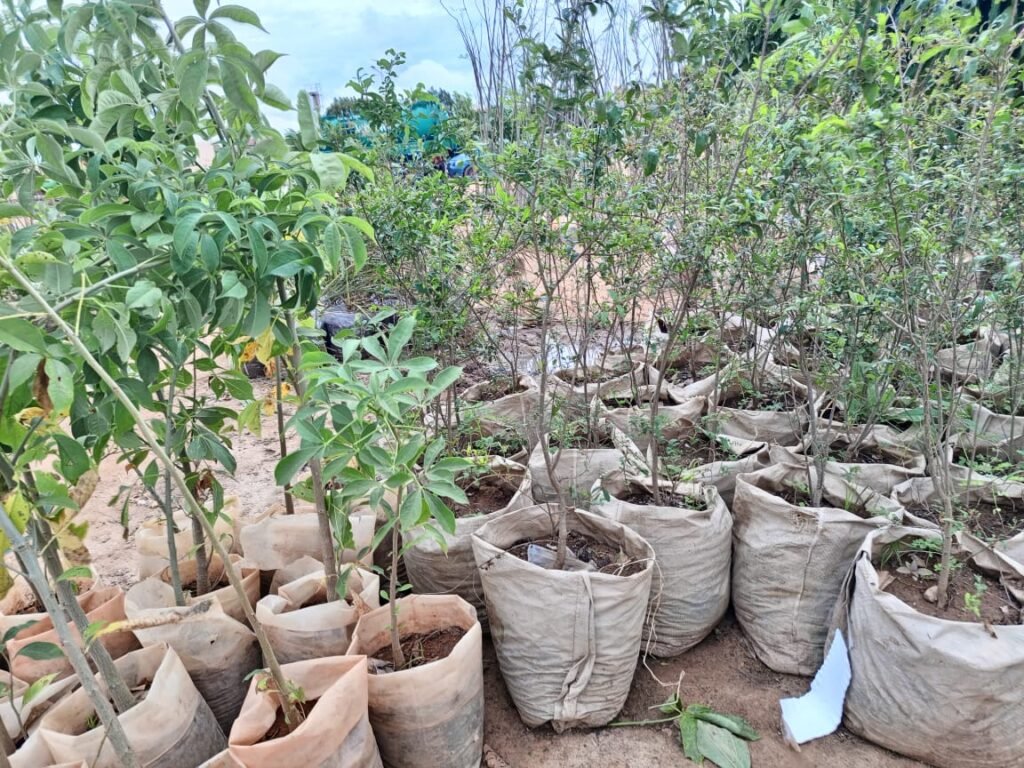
(218, 651)
(789, 561)
(993, 434)
(693, 553)
(430, 715)
(578, 469)
(902, 459)
(948, 693)
(301, 624)
(335, 734)
(29, 713)
(516, 411)
(104, 604)
(567, 642)
(451, 569)
(226, 595)
(275, 539)
(616, 379)
(170, 728)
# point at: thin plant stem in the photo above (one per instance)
(75, 655)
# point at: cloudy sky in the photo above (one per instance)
(326, 41)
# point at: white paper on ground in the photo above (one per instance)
(820, 711)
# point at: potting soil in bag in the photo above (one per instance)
(217, 650)
(225, 595)
(275, 540)
(948, 693)
(335, 733)
(567, 641)
(691, 534)
(515, 411)
(103, 604)
(789, 559)
(432, 714)
(451, 569)
(302, 624)
(170, 728)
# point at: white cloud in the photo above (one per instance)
(434, 73)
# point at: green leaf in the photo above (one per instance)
(14, 631)
(688, 736)
(74, 460)
(356, 246)
(36, 688)
(239, 14)
(720, 747)
(61, 386)
(359, 223)
(192, 71)
(143, 220)
(21, 335)
(329, 169)
(332, 246)
(309, 132)
(11, 210)
(40, 651)
(411, 513)
(732, 723)
(236, 87)
(275, 97)
(399, 337)
(359, 167)
(201, 6)
(87, 138)
(100, 212)
(143, 295)
(445, 379)
(78, 572)
(289, 466)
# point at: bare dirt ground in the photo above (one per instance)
(721, 672)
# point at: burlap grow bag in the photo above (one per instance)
(451, 569)
(567, 642)
(225, 595)
(993, 434)
(217, 650)
(515, 411)
(789, 561)
(693, 552)
(301, 624)
(948, 693)
(619, 379)
(972, 361)
(577, 469)
(103, 604)
(170, 728)
(335, 734)
(151, 538)
(275, 540)
(900, 458)
(430, 715)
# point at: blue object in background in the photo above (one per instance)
(459, 165)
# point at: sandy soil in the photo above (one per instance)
(722, 672)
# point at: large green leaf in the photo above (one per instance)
(721, 747)
(236, 87)
(331, 171)
(18, 333)
(191, 71)
(237, 13)
(309, 131)
(60, 386)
